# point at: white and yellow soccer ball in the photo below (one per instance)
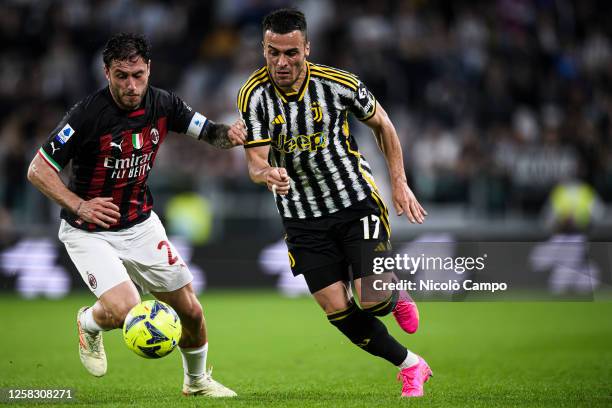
(152, 329)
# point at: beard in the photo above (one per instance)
(128, 101)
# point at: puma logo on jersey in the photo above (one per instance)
(117, 145)
(54, 148)
(279, 120)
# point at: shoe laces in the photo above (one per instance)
(406, 377)
(209, 372)
(94, 344)
(401, 307)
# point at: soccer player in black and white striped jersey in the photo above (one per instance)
(299, 144)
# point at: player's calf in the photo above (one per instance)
(187, 306)
(398, 302)
(368, 333)
(115, 316)
(371, 335)
(192, 321)
(193, 344)
(382, 308)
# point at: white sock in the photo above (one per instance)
(411, 359)
(194, 362)
(88, 323)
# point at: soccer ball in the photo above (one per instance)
(152, 329)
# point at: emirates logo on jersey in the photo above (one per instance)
(130, 155)
(134, 166)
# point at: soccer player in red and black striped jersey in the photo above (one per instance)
(108, 227)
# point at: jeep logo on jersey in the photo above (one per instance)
(304, 143)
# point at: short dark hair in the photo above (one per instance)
(126, 46)
(284, 21)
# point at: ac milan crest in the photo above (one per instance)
(93, 283)
(154, 135)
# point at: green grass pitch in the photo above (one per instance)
(278, 352)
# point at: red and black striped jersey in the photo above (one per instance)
(113, 150)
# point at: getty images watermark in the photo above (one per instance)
(558, 268)
(402, 264)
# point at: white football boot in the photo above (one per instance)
(91, 349)
(205, 385)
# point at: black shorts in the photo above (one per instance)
(326, 249)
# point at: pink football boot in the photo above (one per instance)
(406, 313)
(413, 378)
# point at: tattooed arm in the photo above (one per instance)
(223, 136)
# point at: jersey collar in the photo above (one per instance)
(293, 96)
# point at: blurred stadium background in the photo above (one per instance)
(496, 104)
(504, 110)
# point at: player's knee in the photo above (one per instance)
(334, 305)
(382, 308)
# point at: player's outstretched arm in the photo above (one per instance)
(260, 171)
(225, 137)
(100, 210)
(404, 199)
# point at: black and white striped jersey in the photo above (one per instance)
(309, 135)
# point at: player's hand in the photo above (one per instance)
(100, 211)
(405, 202)
(278, 181)
(237, 133)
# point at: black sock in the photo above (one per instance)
(369, 333)
(385, 307)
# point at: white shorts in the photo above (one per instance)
(142, 252)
